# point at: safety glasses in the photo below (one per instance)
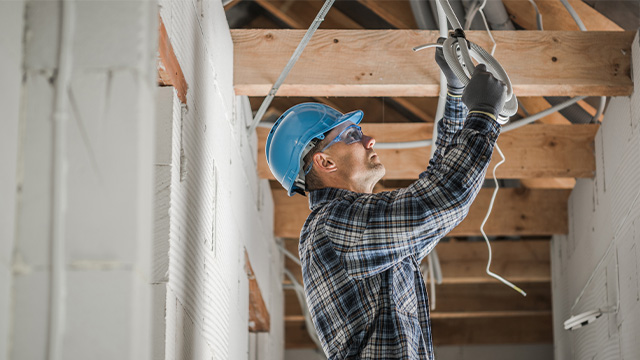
(349, 135)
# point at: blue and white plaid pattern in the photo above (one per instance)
(360, 253)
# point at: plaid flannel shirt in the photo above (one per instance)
(361, 253)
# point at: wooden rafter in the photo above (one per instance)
(539, 63)
(533, 151)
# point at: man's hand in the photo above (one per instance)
(484, 92)
(454, 85)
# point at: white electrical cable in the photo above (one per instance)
(292, 61)
(484, 235)
(58, 286)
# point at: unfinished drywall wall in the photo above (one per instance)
(217, 204)
(597, 265)
(105, 201)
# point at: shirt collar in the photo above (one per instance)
(318, 198)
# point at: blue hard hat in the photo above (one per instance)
(290, 139)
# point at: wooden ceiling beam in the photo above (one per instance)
(556, 17)
(469, 300)
(519, 327)
(381, 62)
(464, 262)
(300, 14)
(169, 70)
(397, 13)
(259, 319)
(517, 212)
(533, 151)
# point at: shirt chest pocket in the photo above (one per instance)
(403, 287)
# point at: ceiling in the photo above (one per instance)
(543, 160)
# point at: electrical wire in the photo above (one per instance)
(495, 180)
(484, 235)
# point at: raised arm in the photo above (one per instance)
(375, 231)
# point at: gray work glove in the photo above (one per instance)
(454, 85)
(484, 92)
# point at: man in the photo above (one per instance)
(360, 251)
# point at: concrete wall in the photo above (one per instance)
(105, 203)
(217, 204)
(598, 264)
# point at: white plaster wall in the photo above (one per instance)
(218, 205)
(11, 25)
(109, 157)
(599, 258)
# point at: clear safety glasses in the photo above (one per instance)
(349, 135)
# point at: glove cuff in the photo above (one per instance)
(485, 109)
(454, 90)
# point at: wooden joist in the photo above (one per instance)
(259, 319)
(169, 71)
(464, 262)
(467, 300)
(504, 327)
(381, 62)
(533, 151)
(556, 17)
(516, 212)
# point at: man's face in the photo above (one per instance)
(357, 162)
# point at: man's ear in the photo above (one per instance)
(324, 163)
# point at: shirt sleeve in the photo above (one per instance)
(372, 232)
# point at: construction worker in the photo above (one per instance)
(360, 251)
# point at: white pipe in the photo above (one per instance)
(59, 184)
(541, 114)
(289, 255)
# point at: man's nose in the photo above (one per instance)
(368, 141)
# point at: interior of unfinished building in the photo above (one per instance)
(139, 218)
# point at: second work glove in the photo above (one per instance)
(454, 85)
(484, 93)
